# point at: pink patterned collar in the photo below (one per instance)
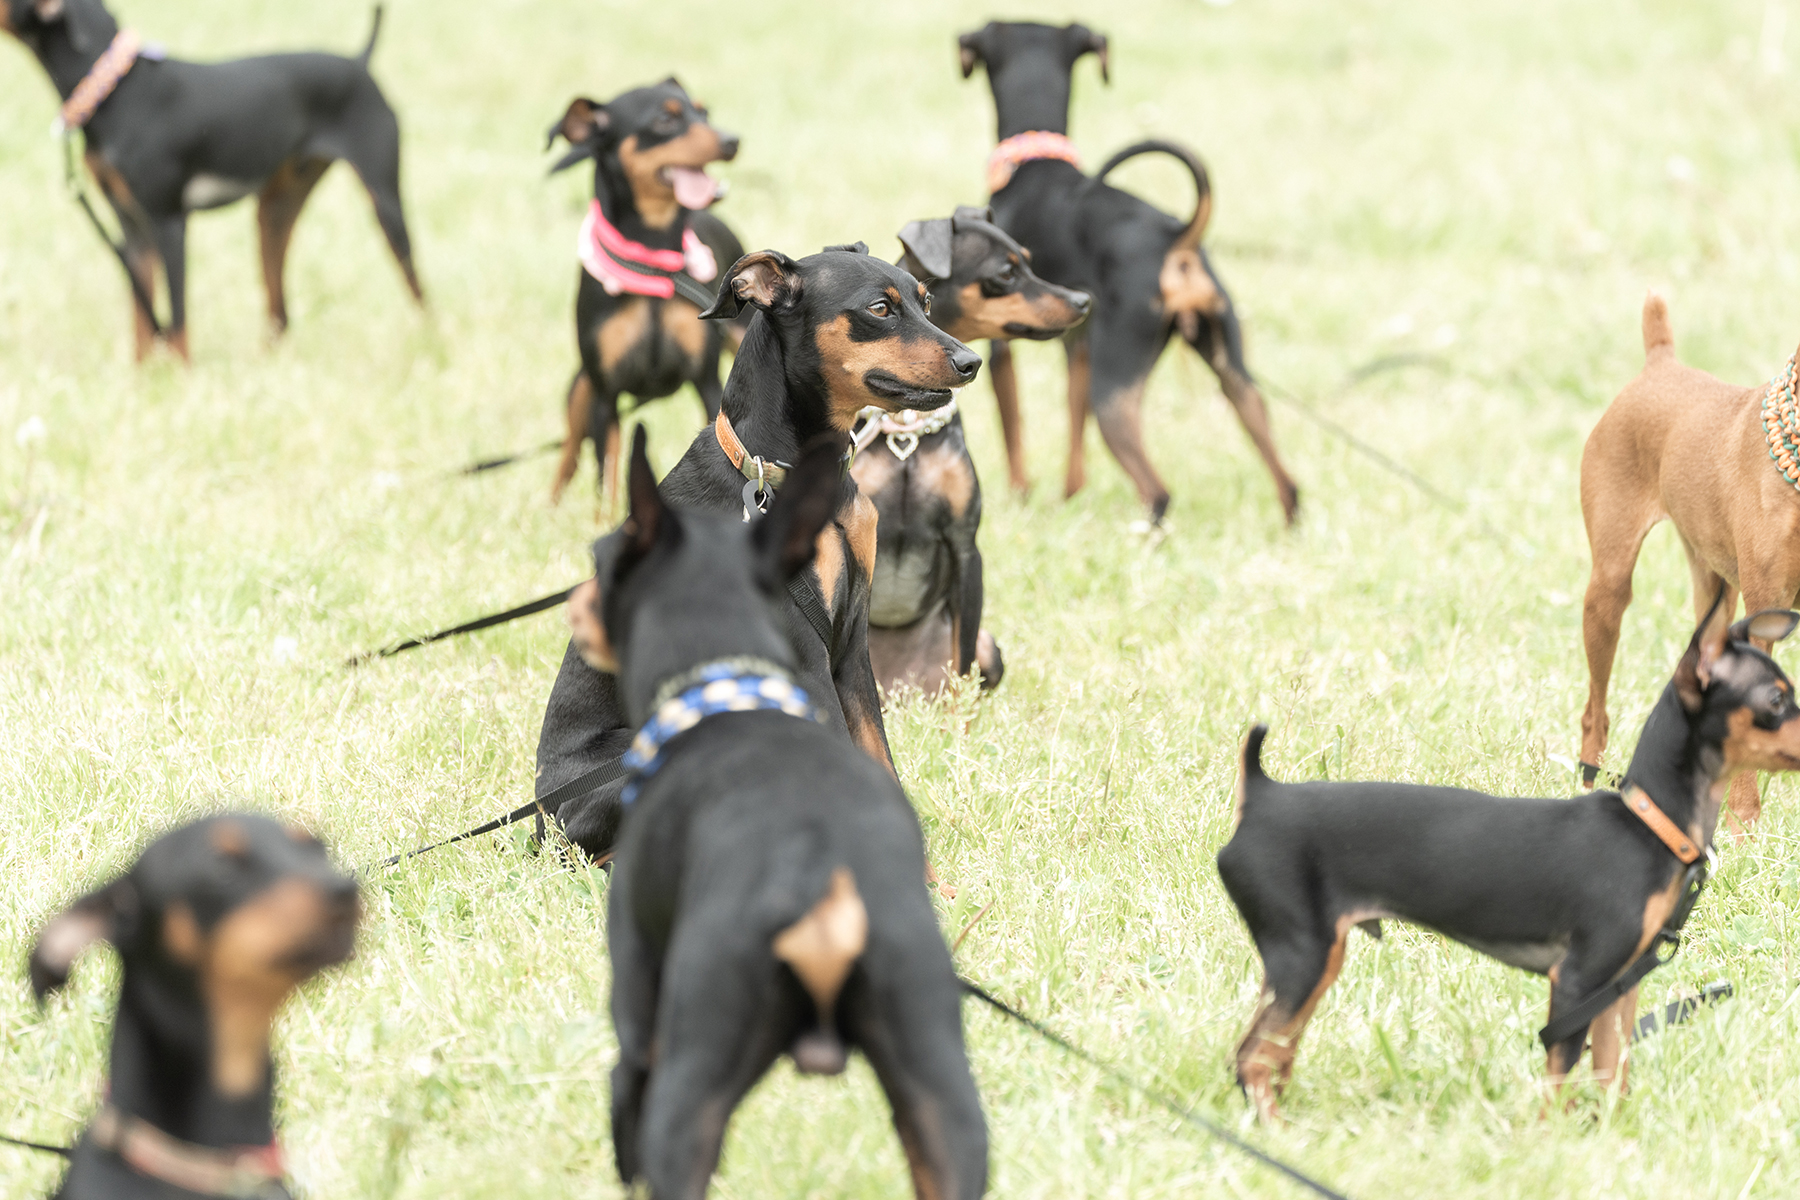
(1026, 147)
(622, 265)
(112, 65)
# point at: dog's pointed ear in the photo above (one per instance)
(1693, 674)
(1769, 625)
(786, 539)
(927, 246)
(109, 914)
(648, 518)
(974, 212)
(582, 126)
(969, 44)
(1083, 40)
(765, 278)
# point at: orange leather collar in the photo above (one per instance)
(1646, 810)
(758, 470)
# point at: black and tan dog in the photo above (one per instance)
(768, 894)
(216, 924)
(831, 335)
(1147, 272)
(166, 138)
(925, 606)
(650, 259)
(1577, 890)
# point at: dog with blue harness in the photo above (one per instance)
(768, 891)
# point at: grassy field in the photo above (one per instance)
(192, 552)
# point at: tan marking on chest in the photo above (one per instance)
(828, 565)
(946, 473)
(681, 322)
(1656, 912)
(621, 331)
(860, 529)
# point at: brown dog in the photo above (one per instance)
(1680, 444)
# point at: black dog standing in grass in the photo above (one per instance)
(167, 137)
(768, 895)
(831, 335)
(1577, 890)
(651, 257)
(926, 603)
(216, 924)
(1147, 272)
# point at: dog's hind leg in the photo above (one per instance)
(375, 153)
(720, 1024)
(1611, 1034)
(1296, 975)
(1220, 341)
(1006, 397)
(1619, 506)
(277, 208)
(579, 402)
(634, 978)
(910, 1028)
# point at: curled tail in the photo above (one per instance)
(1659, 339)
(821, 948)
(1249, 767)
(1196, 226)
(374, 32)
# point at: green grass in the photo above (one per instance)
(1494, 183)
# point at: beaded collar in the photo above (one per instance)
(728, 685)
(1026, 147)
(1781, 423)
(112, 65)
(903, 429)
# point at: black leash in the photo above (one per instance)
(1679, 1011)
(1566, 1025)
(144, 302)
(64, 1151)
(494, 464)
(1165, 1101)
(487, 622)
(547, 807)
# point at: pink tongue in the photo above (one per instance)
(694, 188)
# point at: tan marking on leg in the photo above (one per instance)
(579, 404)
(1080, 379)
(1610, 1035)
(1006, 396)
(615, 462)
(1265, 1056)
(277, 208)
(828, 564)
(860, 528)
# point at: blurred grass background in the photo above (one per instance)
(192, 552)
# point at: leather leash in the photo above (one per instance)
(500, 618)
(64, 1151)
(1567, 1025)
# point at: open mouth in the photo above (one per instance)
(693, 187)
(1030, 332)
(903, 394)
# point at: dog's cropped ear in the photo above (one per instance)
(582, 126)
(974, 212)
(969, 44)
(765, 278)
(786, 539)
(927, 248)
(1083, 40)
(1693, 674)
(109, 914)
(1769, 625)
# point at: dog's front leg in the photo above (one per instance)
(171, 243)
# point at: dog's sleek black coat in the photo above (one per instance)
(216, 924)
(926, 602)
(1572, 889)
(832, 334)
(179, 136)
(768, 892)
(1146, 271)
(643, 346)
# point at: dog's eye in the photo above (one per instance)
(1778, 700)
(1006, 273)
(926, 301)
(666, 125)
(879, 309)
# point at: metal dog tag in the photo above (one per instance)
(756, 502)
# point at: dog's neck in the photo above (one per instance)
(1676, 765)
(613, 189)
(775, 398)
(66, 64)
(1030, 92)
(161, 1052)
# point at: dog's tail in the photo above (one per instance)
(1659, 338)
(374, 32)
(1249, 768)
(1196, 226)
(821, 948)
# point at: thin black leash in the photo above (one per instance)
(64, 1151)
(1186, 1114)
(494, 464)
(500, 618)
(545, 807)
(73, 180)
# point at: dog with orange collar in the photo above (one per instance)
(165, 138)
(217, 923)
(650, 256)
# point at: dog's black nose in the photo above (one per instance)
(1081, 302)
(728, 146)
(341, 890)
(966, 362)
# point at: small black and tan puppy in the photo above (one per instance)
(1576, 890)
(172, 137)
(216, 924)
(650, 257)
(926, 602)
(767, 895)
(830, 335)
